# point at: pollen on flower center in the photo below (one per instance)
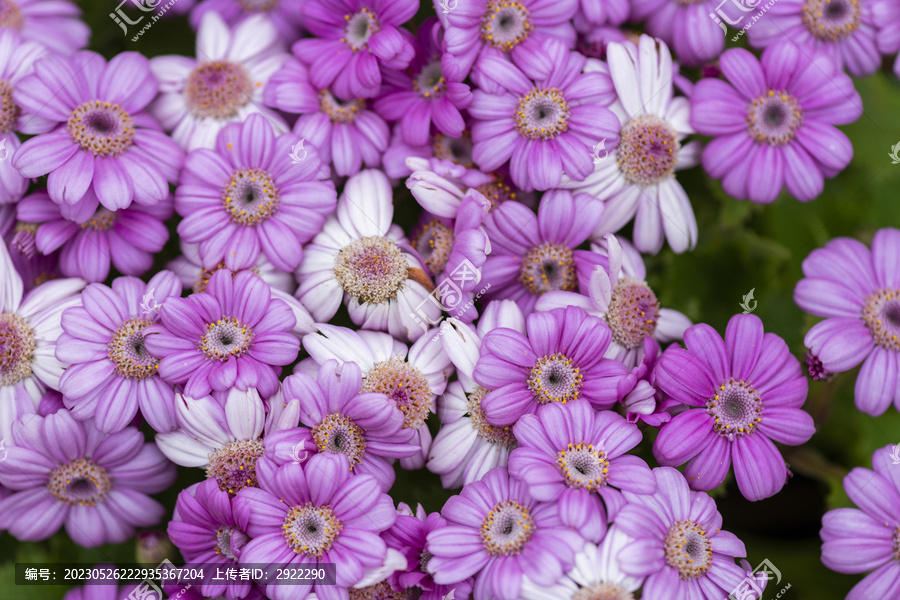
(456, 150)
(372, 269)
(736, 408)
(225, 338)
(406, 385)
(603, 591)
(647, 151)
(774, 118)
(250, 197)
(310, 529)
(499, 436)
(102, 128)
(17, 346)
(505, 24)
(548, 267)
(217, 90)
(424, 558)
(433, 241)
(688, 549)
(223, 542)
(633, 312)
(338, 434)
(102, 220)
(555, 378)
(831, 20)
(233, 465)
(497, 191)
(881, 314)
(379, 591)
(128, 353)
(10, 15)
(585, 466)
(360, 27)
(9, 110)
(430, 80)
(340, 112)
(79, 482)
(507, 528)
(542, 114)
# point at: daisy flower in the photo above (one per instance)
(224, 84)
(360, 253)
(843, 29)
(64, 471)
(638, 175)
(346, 135)
(777, 116)
(100, 138)
(545, 127)
(55, 24)
(90, 241)
(245, 198)
(33, 267)
(499, 533)
(742, 394)
(411, 377)
(439, 185)
(111, 374)
(194, 277)
(602, 12)
(233, 334)
(857, 291)
(696, 44)
(355, 40)
(678, 543)
(284, 14)
(560, 360)
(887, 15)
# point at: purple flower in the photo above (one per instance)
(111, 373)
(532, 256)
(859, 540)
(247, 197)
(560, 360)
(500, 534)
(317, 513)
(55, 24)
(90, 238)
(233, 334)
(425, 95)
(570, 454)
(843, 29)
(745, 393)
(601, 12)
(775, 116)
(545, 127)
(440, 184)
(354, 41)
(857, 290)
(283, 14)
(346, 135)
(65, 471)
(678, 542)
(700, 42)
(204, 530)
(887, 16)
(194, 277)
(101, 138)
(367, 427)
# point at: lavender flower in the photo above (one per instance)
(701, 42)
(887, 16)
(55, 24)
(283, 14)
(194, 277)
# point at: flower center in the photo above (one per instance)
(360, 27)
(507, 528)
(234, 465)
(339, 435)
(217, 90)
(831, 20)
(371, 269)
(25, 241)
(497, 191)
(603, 591)
(102, 128)
(584, 466)
(379, 591)
(500, 436)
(10, 15)
(434, 241)
(774, 118)
(430, 80)
(633, 313)
(128, 353)
(311, 529)
(80, 482)
(897, 543)
(555, 378)
(647, 151)
(406, 385)
(548, 267)
(340, 112)
(102, 220)
(225, 338)
(881, 314)
(9, 110)
(815, 367)
(736, 408)
(424, 558)
(17, 345)
(456, 150)
(688, 549)
(252, 6)
(505, 24)
(543, 114)
(250, 197)
(223, 542)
